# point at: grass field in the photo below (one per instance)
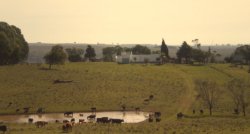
(108, 86)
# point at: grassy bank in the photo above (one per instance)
(109, 86)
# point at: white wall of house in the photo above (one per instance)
(130, 58)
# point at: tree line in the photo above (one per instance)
(14, 49)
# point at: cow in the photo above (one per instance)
(26, 110)
(180, 115)
(81, 121)
(103, 120)
(151, 97)
(201, 112)
(66, 114)
(236, 111)
(65, 121)
(30, 120)
(40, 110)
(40, 124)
(117, 121)
(81, 115)
(157, 114)
(17, 110)
(3, 128)
(67, 127)
(91, 117)
(158, 119)
(93, 110)
(57, 121)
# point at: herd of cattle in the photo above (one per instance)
(69, 124)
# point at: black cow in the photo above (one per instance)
(26, 110)
(93, 110)
(201, 111)
(158, 119)
(103, 120)
(117, 121)
(67, 127)
(68, 114)
(40, 110)
(30, 120)
(41, 123)
(180, 115)
(3, 128)
(65, 121)
(81, 121)
(157, 114)
(91, 117)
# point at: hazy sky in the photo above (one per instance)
(130, 21)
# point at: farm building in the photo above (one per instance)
(126, 58)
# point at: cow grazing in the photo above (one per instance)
(201, 112)
(30, 120)
(180, 115)
(158, 119)
(93, 109)
(81, 115)
(65, 121)
(81, 121)
(3, 128)
(68, 114)
(236, 111)
(40, 124)
(26, 110)
(91, 117)
(116, 121)
(103, 120)
(151, 97)
(157, 114)
(40, 110)
(67, 127)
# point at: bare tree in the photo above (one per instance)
(237, 88)
(208, 92)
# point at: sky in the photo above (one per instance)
(130, 21)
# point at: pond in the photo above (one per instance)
(128, 117)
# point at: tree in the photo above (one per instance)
(13, 47)
(208, 91)
(237, 89)
(164, 49)
(55, 56)
(244, 52)
(74, 54)
(90, 53)
(138, 49)
(199, 55)
(185, 51)
(108, 53)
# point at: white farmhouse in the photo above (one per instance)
(126, 58)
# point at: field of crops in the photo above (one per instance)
(109, 86)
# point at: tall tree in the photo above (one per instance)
(13, 47)
(185, 51)
(164, 49)
(139, 49)
(55, 56)
(90, 53)
(209, 93)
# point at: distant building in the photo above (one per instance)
(126, 58)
